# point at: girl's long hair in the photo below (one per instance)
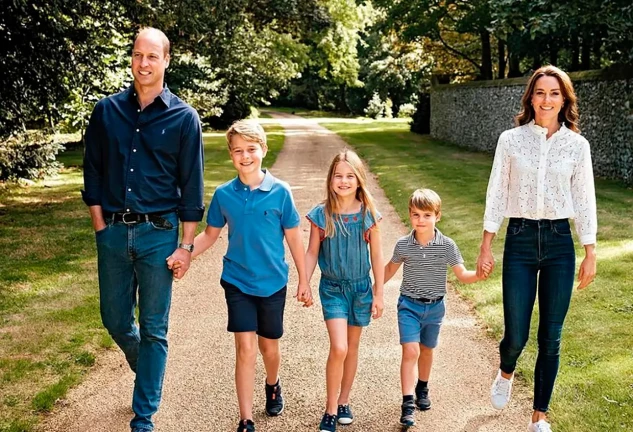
(332, 207)
(569, 111)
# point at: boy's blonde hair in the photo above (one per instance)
(362, 193)
(425, 200)
(248, 130)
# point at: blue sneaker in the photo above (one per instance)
(328, 423)
(422, 400)
(274, 400)
(407, 419)
(246, 426)
(344, 414)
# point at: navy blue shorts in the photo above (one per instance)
(247, 313)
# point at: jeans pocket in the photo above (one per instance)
(563, 230)
(514, 229)
(102, 231)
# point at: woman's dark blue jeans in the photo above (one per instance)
(538, 256)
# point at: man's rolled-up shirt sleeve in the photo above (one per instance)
(93, 158)
(190, 170)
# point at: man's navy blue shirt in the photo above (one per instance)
(144, 161)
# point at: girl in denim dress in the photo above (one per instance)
(344, 237)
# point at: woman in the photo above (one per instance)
(541, 177)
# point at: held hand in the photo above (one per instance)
(304, 295)
(486, 270)
(587, 272)
(485, 259)
(179, 262)
(377, 307)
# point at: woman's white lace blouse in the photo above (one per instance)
(538, 178)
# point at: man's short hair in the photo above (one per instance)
(248, 130)
(163, 36)
(425, 200)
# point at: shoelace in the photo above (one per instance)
(543, 427)
(408, 409)
(502, 387)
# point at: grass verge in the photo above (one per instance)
(50, 328)
(594, 390)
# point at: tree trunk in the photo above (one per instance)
(501, 59)
(486, 56)
(536, 61)
(553, 53)
(575, 52)
(585, 59)
(597, 47)
(514, 65)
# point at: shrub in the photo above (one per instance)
(29, 155)
(406, 110)
(377, 108)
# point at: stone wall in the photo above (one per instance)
(474, 114)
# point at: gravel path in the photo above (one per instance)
(198, 391)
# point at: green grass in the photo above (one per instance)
(594, 390)
(308, 113)
(50, 328)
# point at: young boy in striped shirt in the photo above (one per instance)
(425, 253)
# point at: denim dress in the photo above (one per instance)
(345, 287)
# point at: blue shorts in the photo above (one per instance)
(348, 299)
(420, 322)
(247, 313)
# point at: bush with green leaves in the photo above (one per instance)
(28, 155)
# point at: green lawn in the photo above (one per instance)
(594, 391)
(50, 329)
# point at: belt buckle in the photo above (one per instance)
(126, 222)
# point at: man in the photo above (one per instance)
(142, 172)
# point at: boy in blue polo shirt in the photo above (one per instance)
(260, 212)
(425, 252)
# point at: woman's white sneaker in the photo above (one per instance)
(501, 391)
(539, 426)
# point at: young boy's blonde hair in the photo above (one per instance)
(425, 200)
(248, 130)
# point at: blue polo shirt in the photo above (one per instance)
(255, 260)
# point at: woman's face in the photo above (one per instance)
(547, 99)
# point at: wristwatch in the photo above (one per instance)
(185, 246)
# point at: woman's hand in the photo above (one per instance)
(587, 271)
(485, 263)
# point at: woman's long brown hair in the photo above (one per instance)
(569, 111)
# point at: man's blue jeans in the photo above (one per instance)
(538, 255)
(131, 262)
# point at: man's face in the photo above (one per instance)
(149, 60)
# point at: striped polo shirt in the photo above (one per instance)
(425, 271)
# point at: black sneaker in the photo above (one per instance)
(246, 426)
(274, 399)
(422, 400)
(344, 414)
(328, 423)
(407, 419)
